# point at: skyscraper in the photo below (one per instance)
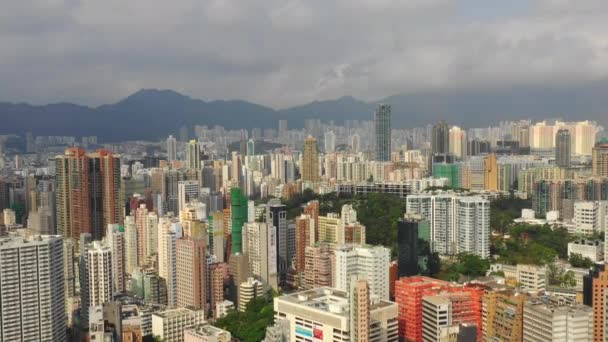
(382, 129)
(562, 148)
(600, 159)
(457, 142)
(330, 141)
(490, 178)
(359, 310)
(171, 149)
(407, 245)
(310, 162)
(458, 223)
(440, 143)
(371, 262)
(32, 294)
(88, 192)
(262, 249)
(250, 147)
(238, 213)
(276, 215)
(115, 239)
(193, 155)
(96, 281)
(191, 266)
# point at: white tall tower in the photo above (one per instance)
(32, 304)
(171, 148)
(99, 271)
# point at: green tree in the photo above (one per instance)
(577, 260)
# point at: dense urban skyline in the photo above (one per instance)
(438, 171)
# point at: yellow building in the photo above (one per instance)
(490, 179)
(502, 315)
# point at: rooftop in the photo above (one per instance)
(329, 300)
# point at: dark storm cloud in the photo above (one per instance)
(283, 52)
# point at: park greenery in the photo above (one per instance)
(250, 325)
(513, 243)
(379, 213)
(464, 265)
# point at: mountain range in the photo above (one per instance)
(153, 114)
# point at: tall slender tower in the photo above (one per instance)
(171, 148)
(276, 215)
(600, 159)
(238, 212)
(382, 125)
(359, 310)
(563, 148)
(191, 266)
(193, 155)
(440, 143)
(310, 161)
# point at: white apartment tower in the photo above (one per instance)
(262, 249)
(372, 262)
(458, 223)
(99, 272)
(32, 304)
(171, 148)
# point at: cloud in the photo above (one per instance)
(285, 52)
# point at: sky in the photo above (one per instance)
(287, 52)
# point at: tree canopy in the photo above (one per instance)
(250, 325)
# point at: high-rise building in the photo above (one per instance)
(410, 229)
(250, 147)
(549, 322)
(330, 141)
(318, 267)
(171, 149)
(193, 155)
(310, 162)
(304, 237)
(96, 284)
(282, 127)
(191, 266)
(187, 191)
(87, 193)
(382, 130)
(490, 179)
(262, 249)
(457, 142)
(238, 213)
(410, 294)
(595, 286)
(600, 159)
(329, 315)
(219, 272)
(440, 142)
(131, 245)
(32, 293)
(276, 215)
(503, 314)
(115, 239)
(372, 262)
(359, 310)
(563, 148)
(458, 223)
